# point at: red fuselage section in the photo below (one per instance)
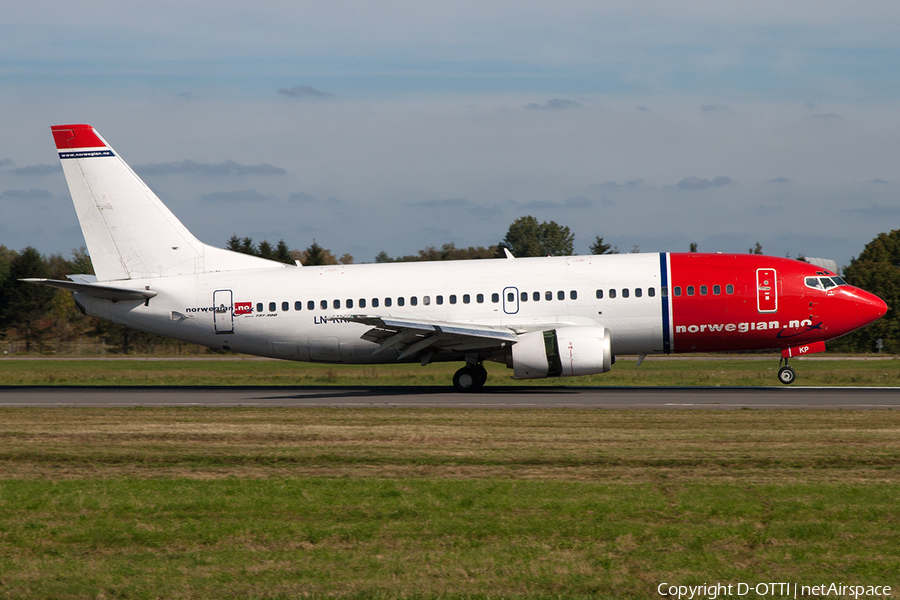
(748, 302)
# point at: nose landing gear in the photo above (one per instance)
(786, 374)
(470, 378)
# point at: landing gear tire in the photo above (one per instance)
(470, 378)
(786, 375)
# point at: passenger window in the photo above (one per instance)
(536, 296)
(259, 307)
(323, 304)
(413, 301)
(466, 299)
(426, 300)
(524, 296)
(612, 293)
(599, 294)
(401, 301)
(573, 295)
(511, 297)
(285, 306)
(362, 302)
(638, 292)
(690, 290)
(677, 290)
(452, 298)
(479, 298)
(271, 307)
(664, 290)
(560, 295)
(387, 302)
(336, 303)
(548, 295)
(717, 289)
(349, 302)
(651, 292)
(625, 292)
(729, 289)
(298, 305)
(495, 297)
(310, 305)
(374, 302)
(439, 299)
(704, 290)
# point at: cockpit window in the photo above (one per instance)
(824, 283)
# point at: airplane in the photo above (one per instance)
(541, 317)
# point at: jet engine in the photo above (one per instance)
(564, 352)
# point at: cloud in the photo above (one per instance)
(554, 104)
(229, 167)
(826, 117)
(301, 197)
(304, 91)
(240, 197)
(6, 162)
(880, 181)
(26, 195)
(41, 169)
(781, 180)
(443, 203)
(573, 202)
(696, 183)
(875, 210)
(642, 108)
(615, 185)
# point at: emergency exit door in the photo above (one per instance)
(766, 291)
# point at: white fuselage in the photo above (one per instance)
(498, 292)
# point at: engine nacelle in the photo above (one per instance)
(564, 352)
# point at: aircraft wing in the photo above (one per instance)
(411, 335)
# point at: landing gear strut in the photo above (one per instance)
(786, 374)
(470, 378)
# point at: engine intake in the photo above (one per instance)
(564, 352)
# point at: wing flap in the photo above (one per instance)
(410, 336)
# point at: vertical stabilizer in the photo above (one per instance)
(129, 232)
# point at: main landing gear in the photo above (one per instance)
(786, 374)
(470, 378)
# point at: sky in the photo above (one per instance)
(392, 126)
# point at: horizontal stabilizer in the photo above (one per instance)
(97, 291)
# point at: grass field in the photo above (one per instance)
(653, 372)
(391, 503)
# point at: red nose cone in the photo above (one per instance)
(869, 307)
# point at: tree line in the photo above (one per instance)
(44, 318)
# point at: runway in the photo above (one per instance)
(445, 397)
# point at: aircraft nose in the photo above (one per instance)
(869, 307)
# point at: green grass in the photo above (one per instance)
(653, 372)
(245, 538)
(441, 503)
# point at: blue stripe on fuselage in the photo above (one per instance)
(664, 296)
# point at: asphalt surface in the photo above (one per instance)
(445, 397)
